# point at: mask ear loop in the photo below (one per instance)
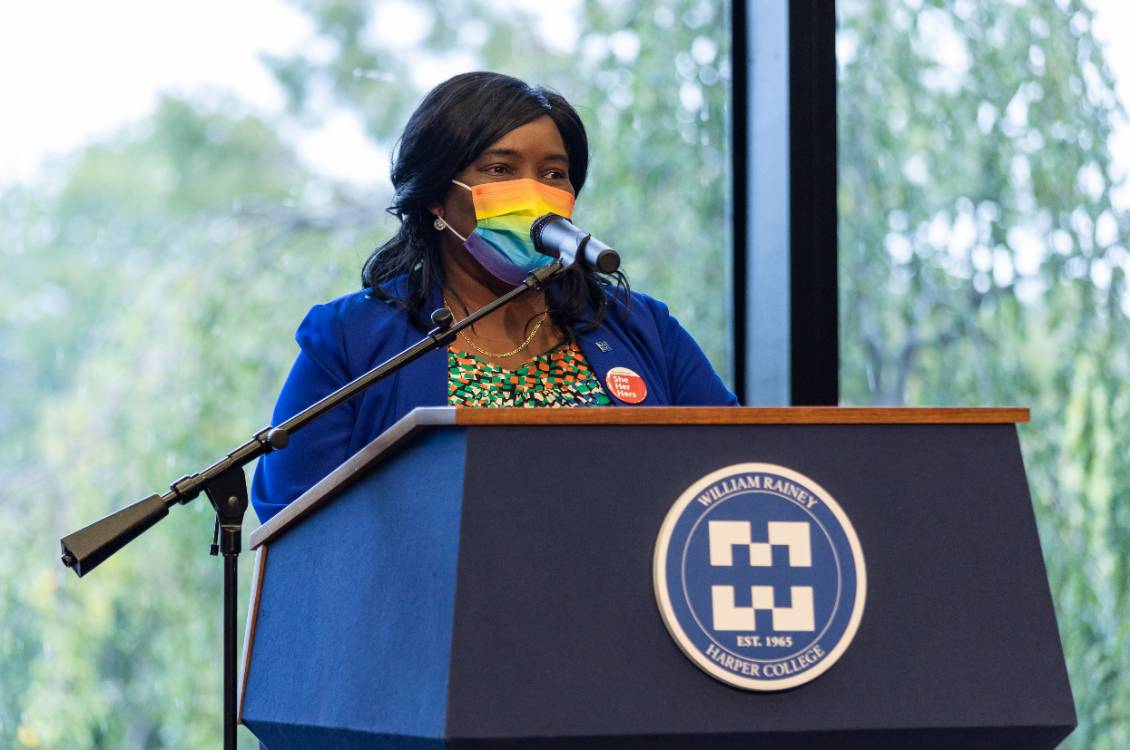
(461, 237)
(441, 225)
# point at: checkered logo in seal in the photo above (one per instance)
(759, 576)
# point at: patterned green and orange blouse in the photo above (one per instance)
(561, 377)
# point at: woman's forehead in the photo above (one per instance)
(539, 138)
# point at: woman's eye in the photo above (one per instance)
(556, 174)
(498, 169)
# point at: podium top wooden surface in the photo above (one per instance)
(443, 416)
(675, 415)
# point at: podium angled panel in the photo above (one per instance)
(353, 637)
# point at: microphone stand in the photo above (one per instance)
(226, 485)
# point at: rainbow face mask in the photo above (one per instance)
(504, 212)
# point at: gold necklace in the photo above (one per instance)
(503, 355)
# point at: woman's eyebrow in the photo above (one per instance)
(512, 153)
(498, 152)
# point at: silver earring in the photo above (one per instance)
(439, 224)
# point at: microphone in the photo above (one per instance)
(558, 237)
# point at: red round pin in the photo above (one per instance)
(626, 385)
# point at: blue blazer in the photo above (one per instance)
(341, 340)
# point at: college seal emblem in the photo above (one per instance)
(759, 576)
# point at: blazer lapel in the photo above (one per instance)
(611, 355)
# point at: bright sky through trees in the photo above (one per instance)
(75, 72)
(72, 73)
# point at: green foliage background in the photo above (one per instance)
(153, 282)
(983, 262)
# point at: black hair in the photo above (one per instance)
(458, 120)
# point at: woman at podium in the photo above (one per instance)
(482, 157)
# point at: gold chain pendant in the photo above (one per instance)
(502, 355)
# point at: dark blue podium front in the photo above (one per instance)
(490, 584)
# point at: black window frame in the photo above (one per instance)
(803, 361)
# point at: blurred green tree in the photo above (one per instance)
(982, 261)
(153, 283)
(146, 301)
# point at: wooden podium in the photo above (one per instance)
(483, 578)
